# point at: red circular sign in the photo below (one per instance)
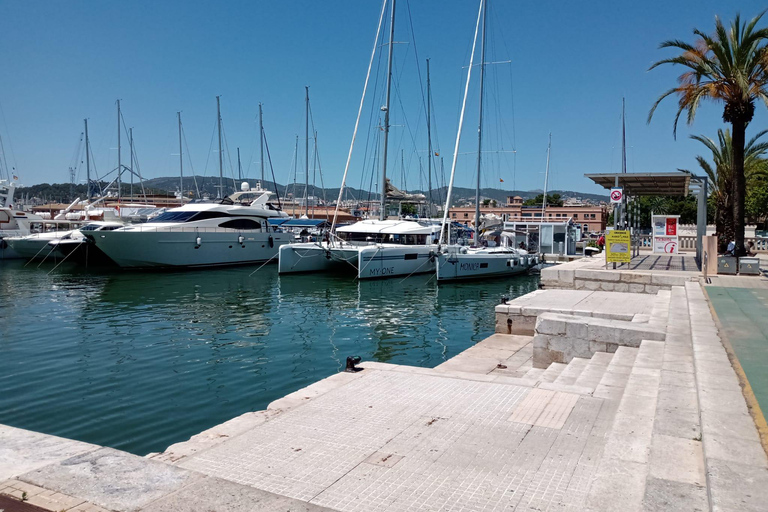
(616, 195)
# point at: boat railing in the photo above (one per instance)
(151, 229)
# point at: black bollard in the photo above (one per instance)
(351, 362)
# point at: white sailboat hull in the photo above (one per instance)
(154, 249)
(316, 257)
(457, 266)
(382, 261)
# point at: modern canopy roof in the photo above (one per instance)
(646, 183)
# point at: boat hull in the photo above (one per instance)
(381, 261)
(457, 266)
(314, 257)
(160, 249)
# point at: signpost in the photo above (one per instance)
(617, 247)
(617, 195)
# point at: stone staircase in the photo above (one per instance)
(666, 430)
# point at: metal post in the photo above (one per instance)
(701, 217)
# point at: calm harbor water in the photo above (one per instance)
(139, 361)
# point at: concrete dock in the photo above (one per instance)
(617, 422)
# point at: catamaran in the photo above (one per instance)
(371, 249)
(460, 262)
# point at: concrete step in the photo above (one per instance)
(553, 372)
(570, 374)
(650, 355)
(534, 373)
(616, 374)
(593, 373)
(660, 310)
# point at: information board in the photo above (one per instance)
(617, 247)
(665, 244)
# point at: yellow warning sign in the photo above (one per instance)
(617, 247)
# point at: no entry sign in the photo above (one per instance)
(617, 195)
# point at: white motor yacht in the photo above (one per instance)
(234, 231)
(75, 247)
(16, 224)
(370, 249)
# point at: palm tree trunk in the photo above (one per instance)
(739, 184)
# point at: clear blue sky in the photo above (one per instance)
(571, 64)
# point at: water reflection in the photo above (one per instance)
(141, 360)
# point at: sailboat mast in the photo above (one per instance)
(221, 164)
(181, 165)
(261, 140)
(119, 156)
(383, 206)
(458, 132)
(87, 160)
(546, 177)
(306, 151)
(130, 139)
(480, 125)
(429, 139)
(239, 167)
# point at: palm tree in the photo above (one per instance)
(728, 67)
(720, 173)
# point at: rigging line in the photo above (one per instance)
(210, 150)
(137, 172)
(229, 156)
(359, 112)
(272, 169)
(189, 159)
(10, 142)
(416, 55)
(461, 123)
(371, 118)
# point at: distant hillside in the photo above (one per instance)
(209, 185)
(60, 192)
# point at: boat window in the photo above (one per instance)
(90, 227)
(110, 228)
(412, 256)
(174, 217)
(241, 224)
(483, 265)
(209, 215)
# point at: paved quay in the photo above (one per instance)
(631, 424)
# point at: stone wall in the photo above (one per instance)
(559, 338)
(610, 280)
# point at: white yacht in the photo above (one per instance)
(17, 223)
(370, 249)
(234, 231)
(75, 247)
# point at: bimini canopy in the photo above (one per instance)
(390, 227)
